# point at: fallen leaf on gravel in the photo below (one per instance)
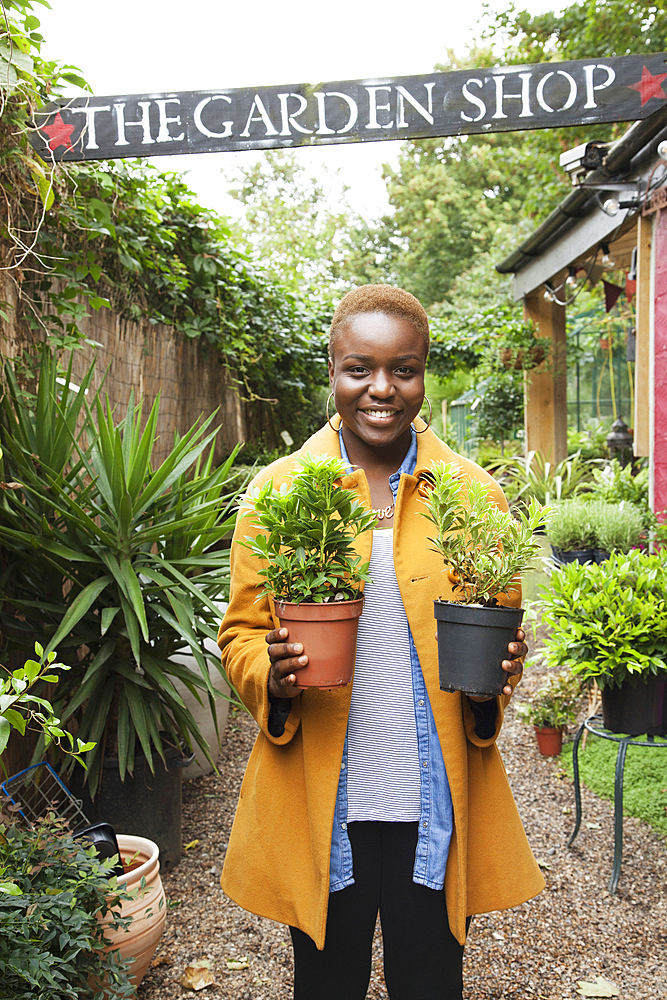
(198, 975)
(592, 826)
(600, 988)
(542, 863)
(237, 963)
(188, 847)
(497, 936)
(160, 960)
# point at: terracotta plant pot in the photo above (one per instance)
(472, 643)
(148, 909)
(328, 634)
(549, 741)
(513, 360)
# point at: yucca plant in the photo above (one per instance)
(119, 565)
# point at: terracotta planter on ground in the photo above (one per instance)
(549, 741)
(328, 633)
(472, 643)
(148, 909)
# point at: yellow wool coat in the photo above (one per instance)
(277, 862)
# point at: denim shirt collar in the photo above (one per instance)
(408, 464)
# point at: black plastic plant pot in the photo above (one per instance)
(472, 643)
(574, 555)
(635, 709)
(600, 555)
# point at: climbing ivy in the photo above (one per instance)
(124, 235)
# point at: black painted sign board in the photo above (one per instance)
(503, 99)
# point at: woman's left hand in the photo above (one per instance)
(518, 650)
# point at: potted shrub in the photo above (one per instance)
(618, 528)
(52, 942)
(571, 532)
(484, 550)
(608, 623)
(306, 532)
(550, 710)
(119, 564)
(588, 530)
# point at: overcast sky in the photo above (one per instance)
(143, 46)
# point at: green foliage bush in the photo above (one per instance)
(49, 932)
(594, 524)
(608, 621)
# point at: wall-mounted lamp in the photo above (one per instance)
(662, 149)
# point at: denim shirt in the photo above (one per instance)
(436, 817)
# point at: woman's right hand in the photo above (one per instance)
(286, 657)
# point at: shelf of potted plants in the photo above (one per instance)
(305, 537)
(484, 549)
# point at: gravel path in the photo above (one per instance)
(573, 931)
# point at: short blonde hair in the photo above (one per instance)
(380, 299)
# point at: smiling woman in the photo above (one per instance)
(388, 794)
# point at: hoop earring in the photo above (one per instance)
(430, 417)
(334, 429)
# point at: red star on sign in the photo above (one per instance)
(59, 133)
(649, 86)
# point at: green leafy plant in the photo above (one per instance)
(533, 477)
(51, 942)
(572, 526)
(593, 524)
(118, 564)
(616, 483)
(19, 706)
(306, 534)
(608, 621)
(554, 705)
(484, 547)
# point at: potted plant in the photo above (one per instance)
(305, 539)
(550, 710)
(484, 550)
(119, 564)
(608, 623)
(583, 530)
(571, 532)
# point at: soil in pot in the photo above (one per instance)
(472, 643)
(636, 709)
(549, 741)
(328, 633)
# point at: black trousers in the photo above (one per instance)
(422, 958)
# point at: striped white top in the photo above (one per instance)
(383, 781)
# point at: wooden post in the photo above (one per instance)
(545, 387)
(643, 388)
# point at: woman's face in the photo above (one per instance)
(377, 376)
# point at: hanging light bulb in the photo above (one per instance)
(662, 149)
(606, 260)
(548, 295)
(612, 206)
(571, 279)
